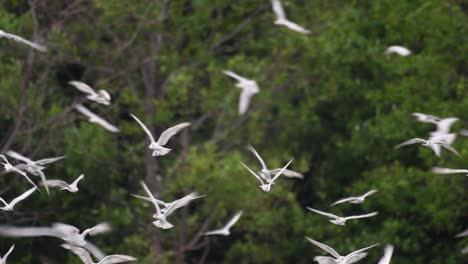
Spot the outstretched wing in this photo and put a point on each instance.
(410, 142)
(5, 257)
(151, 196)
(22, 196)
(235, 76)
(96, 119)
(463, 234)
(49, 160)
(145, 128)
(56, 184)
(278, 9)
(244, 101)
(371, 192)
(289, 173)
(82, 253)
(322, 213)
(117, 259)
(181, 202)
(440, 170)
(252, 172)
(361, 216)
(18, 156)
(388, 251)
(328, 249)
(258, 157)
(82, 87)
(100, 228)
(22, 40)
(343, 200)
(449, 148)
(357, 252)
(295, 27)
(170, 132)
(13, 231)
(233, 220)
(281, 171)
(214, 232)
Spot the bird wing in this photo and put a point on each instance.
(22, 196)
(96, 119)
(105, 94)
(3, 201)
(95, 251)
(5, 257)
(354, 253)
(252, 172)
(44, 180)
(251, 148)
(426, 118)
(463, 234)
(49, 160)
(236, 76)
(369, 193)
(344, 200)
(410, 142)
(150, 195)
(24, 175)
(18, 156)
(324, 260)
(244, 100)
(100, 228)
(443, 126)
(82, 87)
(75, 182)
(22, 40)
(295, 27)
(170, 132)
(356, 257)
(322, 213)
(328, 249)
(65, 229)
(289, 173)
(361, 216)
(82, 253)
(281, 171)
(56, 184)
(233, 220)
(440, 170)
(215, 232)
(449, 148)
(278, 9)
(145, 128)
(13, 231)
(388, 251)
(186, 200)
(116, 259)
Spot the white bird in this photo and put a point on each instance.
(462, 234)
(10, 206)
(402, 51)
(93, 118)
(281, 19)
(10, 168)
(425, 118)
(355, 199)
(249, 89)
(73, 187)
(84, 255)
(439, 170)
(3, 260)
(338, 220)
(16, 38)
(175, 204)
(444, 125)
(433, 144)
(157, 146)
(266, 185)
(267, 174)
(388, 251)
(225, 231)
(337, 258)
(100, 97)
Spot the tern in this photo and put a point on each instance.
(8, 168)
(439, 170)
(338, 220)
(85, 257)
(249, 89)
(266, 185)
(402, 51)
(266, 174)
(337, 258)
(100, 97)
(16, 38)
(356, 199)
(9, 206)
(157, 146)
(175, 204)
(431, 143)
(4, 258)
(225, 231)
(425, 118)
(388, 251)
(93, 118)
(281, 19)
(62, 185)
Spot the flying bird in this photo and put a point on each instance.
(281, 19)
(433, 144)
(3, 260)
(157, 146)
(225, 231)
(355, 199)
(266, 185)
(62, 185)
(402, 51)
(249, 89)
(338, 220)
(100, 97)
(267, 174)
(175, 204)
(10, 168)
(93, 118)
(85, 257)
(337, 258)
(388, 251)
(16, 38)
(10, 206)
(425, 118)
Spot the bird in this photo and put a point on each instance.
(10, 168)
(225, 231)
(266, 185)
(338, 220)
(3, 260)
(337, 258)
(281, 19)
(434, 144)
(266, 174)
(85, 257)
(93, 118)
(402, 51)
(425, 118)
(439, 170)
(73, 187)
(249, 89)
(356, 199)
(444, 125)
(175, 204)
(388, 251)
(157, 146)
(10, 206)
(100, 97)
(16, 38)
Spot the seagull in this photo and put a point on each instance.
(175, 204)
(433, 144)
(388, 251)
(157, 146)
(402, 51)
(4, 258)
(439, 170)
(73, 187)
(8, 167)
(337, 258)
(100, 97)
(93, 118)
(9, 206)
(462, 234)
(16, 38)
(357, 199)
(266, 174)
(266, 185)
(249, 89)
(225, 230)
(341, 220)
(84, 255)
(424, 118)
(281, 19)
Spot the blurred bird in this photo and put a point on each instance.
(338, 220)
(10, 206)
(10, 168)
(431, 143)
(424, 118)
(93, 118)
(249, 89)
(225, 231)
(100, 97)
(16, 38)
(439, 170)
(3, 260)
(281, 19)
(402, 51)
(175, 204)
(356, 199)
(444, 125)
(267, 174)
(84, 255)
(388, 251)
(73, 187)
(337, 258)
(266, 185)
(157, 146)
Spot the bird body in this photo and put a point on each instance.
(249, 89)
(62, 185)
(101, 96)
